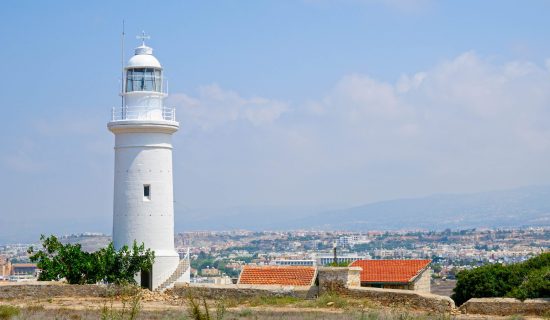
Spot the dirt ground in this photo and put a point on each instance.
(443, 288)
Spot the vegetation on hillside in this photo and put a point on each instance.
(529, 279)
(204, 261)
(338, 264)
(57, 261)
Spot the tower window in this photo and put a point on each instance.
(146, 192)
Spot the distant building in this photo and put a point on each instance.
(323, 260)
(293, 262)
(210, 272)
(5, 268)
(24, 269)
(318, 260)
(221, 280)
(395, 274)
(350, 241)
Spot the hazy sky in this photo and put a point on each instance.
(280, 102)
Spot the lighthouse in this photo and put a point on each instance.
(143, 205)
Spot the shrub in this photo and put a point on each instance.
(529, 279)
(338, 264)
(245, 313)
(69, 261)
(535, 285)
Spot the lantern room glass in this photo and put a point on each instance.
(143, 79)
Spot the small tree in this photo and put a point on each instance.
(121, 266)
(69, 261)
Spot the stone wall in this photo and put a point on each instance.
(506, 306)
(403, 298)
(336, 279)
(423, 282)
(45, 290)
(347, 282)
(243, 291)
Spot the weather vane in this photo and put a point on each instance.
(143, 37)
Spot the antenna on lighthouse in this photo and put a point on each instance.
(122, 66)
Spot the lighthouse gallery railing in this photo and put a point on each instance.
(143, 113)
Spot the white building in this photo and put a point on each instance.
(143, 209)
(324, 259)
(350, 241)
(294, 262)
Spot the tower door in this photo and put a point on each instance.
(147, 279)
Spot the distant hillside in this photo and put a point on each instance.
(528, 206)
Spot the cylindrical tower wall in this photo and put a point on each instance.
(144, 160)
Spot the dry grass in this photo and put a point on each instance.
(130, 297)
(129, 305)
(270, 312)
(8, 312)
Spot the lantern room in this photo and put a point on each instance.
(143, 71)
(143, 89)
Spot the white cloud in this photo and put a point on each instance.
(466, 124)
(214, 106)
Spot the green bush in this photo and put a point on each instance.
(529, 279)
(57, 261)
(535, 285)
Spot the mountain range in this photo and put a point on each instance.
(527, 206)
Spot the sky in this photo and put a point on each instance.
(317, 103)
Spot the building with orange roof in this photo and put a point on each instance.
(395, 274)
(278, 275)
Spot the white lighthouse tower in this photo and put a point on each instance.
(143, 208)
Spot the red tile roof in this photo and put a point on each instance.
(277, 275)
(394, 271)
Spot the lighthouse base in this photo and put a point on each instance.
(165, 265)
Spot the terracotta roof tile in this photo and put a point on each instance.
(277, 275)
(395, 271)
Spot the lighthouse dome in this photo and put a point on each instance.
(143, 58)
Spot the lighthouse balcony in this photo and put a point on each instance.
(143, 113)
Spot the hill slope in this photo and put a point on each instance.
(510, 208)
